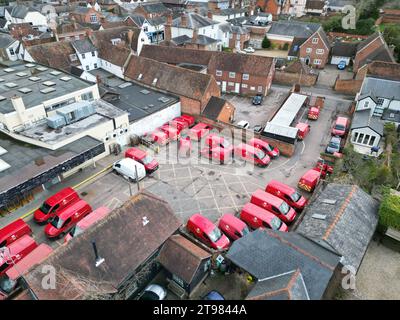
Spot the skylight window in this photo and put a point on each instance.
(144, 91)
(34, 79)
(41, 68)
(2, 80)
(29, 65)
(140, 76)
(25, 90)
(21, 74)
(49, 83)
(8, 70)
(11, 84)
(66, 79)
(55, 73)
(47, 90)
(4, 165)
(2, 98)
(124, 85)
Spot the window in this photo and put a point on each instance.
(355, 137)
(380, 101)
(315, 40)
(93, 18)
(219, 83)
(366, 138)
(252, 88)
(83, 56)
(87, 96)
(115, 41)
(231, 84)
(93, 54)
(218, 73)
(77, 37)
(317, 61)
(230, 36)
(360, 137)
(73, 57)
(87, 68)
(244, 85)
(308, 50)
(238, 36)
(11, 50)
(95, 65)
(320, 51)
(146, 28)
(245, 76)
(366, 104)
(372, 140)
(260, 88)
(232, 74)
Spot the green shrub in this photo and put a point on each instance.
(285, 46)
(389, 211)
(266, 43)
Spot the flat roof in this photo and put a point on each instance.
(27, 161)
(139, 101)
(31, 78)
(284, 131)
(288, 111)
(42, 132)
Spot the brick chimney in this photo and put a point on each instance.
(209, 14)
(129, 35)
(184, 22)
(167, 28)
(195, 35)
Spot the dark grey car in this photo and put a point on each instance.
(334, 145)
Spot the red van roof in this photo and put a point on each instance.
(258, 141)
(56, 198)
(247, 147)
(36, 256)
(135, 153)
(93, 217)
(267, 197)
(341, 120)
(258, 212)
(231, 220)
(11, 228)
(17, 246)
(202, 222)
(67, 212)
(281, 186)
(311, 175)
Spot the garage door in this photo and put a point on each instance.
(336, 60)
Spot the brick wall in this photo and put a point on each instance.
(361, 55)
(349, 86)
(313, 54)
(282, 77)
(190, 106)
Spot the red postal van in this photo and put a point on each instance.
(264, 146)
(66, 219)
(252, 154)
(287, 193)
(16, 251)
(10, 282)
(160, 137)
(309, 180)
(304, 129)
(14, 231)
(257, 217)
(204, 230)
(55, 204)
(171, 131)
(150, 164)
(233, 227)
(213, 140)
(199, 131)
(86, 222)
(273, 204)
(217, 154)
(313, 113)
(188, 119)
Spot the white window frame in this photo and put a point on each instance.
(317, 62)
(232, 75)
(314, 40)
(218, 73)
(308, 50)
(246, 76)
(320, 51)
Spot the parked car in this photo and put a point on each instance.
(341, 65)
(171, 131)
(141, 156)
(159, 137)
(185, 146)
(217, 154)
(243, 124)
(251, 154)
(340, 127)
(304, 129)
(199, 131)
(204, 230)
(188, 119)
(86, 222)
(13, 231)
(264, 146)
(287, 193)
(233, 227)
(309, 180)
(65, 220)
(153, 292)
(126, 168)
(214, 140)
(213, 295)
(257, 100)
(249, 50)
(334, 145)
(55, 204)
(257, 217)
(328, 168)
(15, 252)
(258, 128)
(313, 113)
(273, 204)
(10, 282)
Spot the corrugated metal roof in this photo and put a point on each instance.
(289, 110)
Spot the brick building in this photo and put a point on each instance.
(218, 109)
(193, 88)
(86, 15)
(270, 6)
(151, 10)
(239, 37)
(374, 48)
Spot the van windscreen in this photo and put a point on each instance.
(284, 208)
(215, 235)
(147, 159)
(295, 196)
(7, 285)
(45, 208)
(260, 154)
(276, 223)
(339, 127)
(57, 222)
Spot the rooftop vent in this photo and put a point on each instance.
(124, 85)
(99, 260)
(55, 73)
(144, 91)
(47, 90)
(21, 74)
(3, 165)
(163, 99)
(34, 79)
(11, 84)
(42, 68)
(39, 161)
(25, 90)
(8, 70)
(2, 98)
(151, 105)
(30, 65)
(49, 83)
(66, 79)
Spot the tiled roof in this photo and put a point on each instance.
(214, 108)
(194, 21)
(344, 49)
(385, 70)
(103, 37)
(117, 55)
(315, 4)
(363, 119)
(154, 7)
(293, 28)
(83, 46)
(350, 219)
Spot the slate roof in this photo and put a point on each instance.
(194, 21)
(383, 88)
(122, 239)
(182, 257)
(391, 115)
(344, 49)
(201, 40)
(240, 30)
(214, 108)
(363, 119)
(154, 7)
(180, 40)
(81, 10)
(295, 47)
(137, 19)
(295, 29)
(6, 40)
(286, 286)
(179, 81)
(20, 11)
(265, 253)
(3, 22)
(83, 46)
(349, 224)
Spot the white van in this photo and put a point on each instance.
(126, 168)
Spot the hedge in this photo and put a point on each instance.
(389, 211)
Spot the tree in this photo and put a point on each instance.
(365, 26)
(266, 43)
(333, 24)
(285, 46)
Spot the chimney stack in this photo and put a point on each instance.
(209, 14)
(195, 35)
(184, 20)
(167, 28)
(19, 106)
(99, 260)
(130, 37)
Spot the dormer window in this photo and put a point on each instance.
(115, 41)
